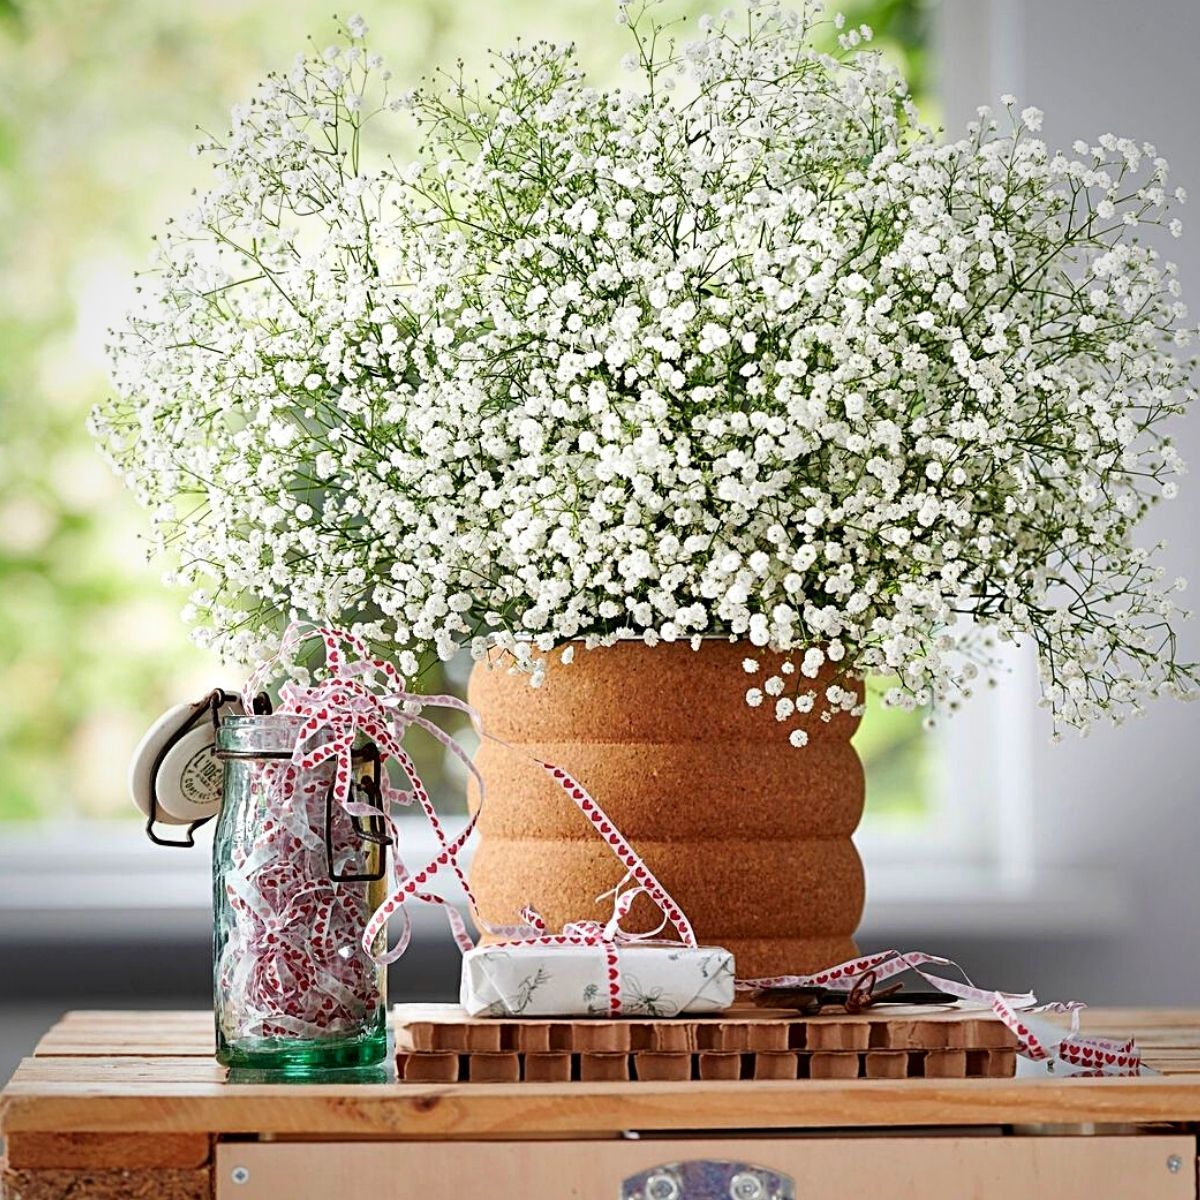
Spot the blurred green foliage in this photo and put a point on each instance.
(99, 100)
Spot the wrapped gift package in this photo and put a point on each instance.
(661, 980)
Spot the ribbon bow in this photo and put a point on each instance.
(611, 935)
(369, 697)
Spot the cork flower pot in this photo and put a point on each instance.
(749, 834)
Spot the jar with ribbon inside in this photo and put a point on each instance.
(297, 873)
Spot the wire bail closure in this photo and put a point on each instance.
(372, 829)
(212, 705)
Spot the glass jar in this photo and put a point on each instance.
(295, 879)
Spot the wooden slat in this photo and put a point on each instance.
(121, 1018)
(1145, 1023)
(131, 1151)
(68, 1045)
(190, 1095)
(112, 1033)
(91, 1183)
(1118, 1020)
(895, 1168)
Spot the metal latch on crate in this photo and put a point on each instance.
(702, 1179)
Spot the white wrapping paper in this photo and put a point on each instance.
(571, 981)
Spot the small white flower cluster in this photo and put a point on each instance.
(742, 350)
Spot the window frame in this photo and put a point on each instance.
(980, 813)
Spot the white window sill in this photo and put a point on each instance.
(107, 882)
(927, 902)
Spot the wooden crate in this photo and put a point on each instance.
(441, 1044)
(121, 1106)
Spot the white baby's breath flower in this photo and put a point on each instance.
(769, 363)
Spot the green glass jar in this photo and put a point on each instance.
(295, 880)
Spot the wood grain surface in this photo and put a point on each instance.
(87, 1183)
(892, 1168)
(114, 1084)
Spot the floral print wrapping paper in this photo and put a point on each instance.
(662, 980)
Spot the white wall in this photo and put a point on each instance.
(1124, 798)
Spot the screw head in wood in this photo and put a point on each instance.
(745, 1185)
(1174, 1164)
(240, 1175)
(661, 1187)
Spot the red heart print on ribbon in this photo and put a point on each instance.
(365, 696)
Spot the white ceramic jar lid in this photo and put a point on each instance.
(187, 787)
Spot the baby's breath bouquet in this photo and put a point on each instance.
(741, 349)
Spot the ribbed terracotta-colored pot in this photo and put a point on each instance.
(749, 834)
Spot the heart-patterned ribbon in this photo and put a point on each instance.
(367, 696)
(361, 696)
(1036, 1040)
